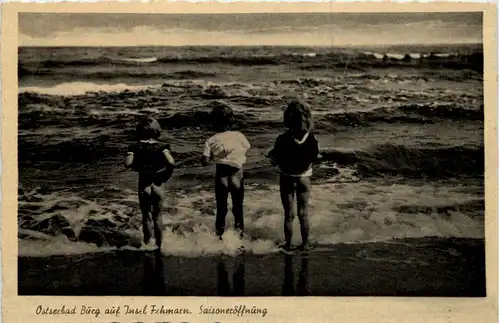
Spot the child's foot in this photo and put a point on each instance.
(306, 247)
(286, 246)
(150, 246)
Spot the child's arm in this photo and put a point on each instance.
(315, 153)
(244, 142)
(129, 159)
(168, 157)
(272, 154)
(205, 159)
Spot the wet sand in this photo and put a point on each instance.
(411, 267)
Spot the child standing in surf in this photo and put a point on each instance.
(152, 160)
(294, 153)
(228, 150)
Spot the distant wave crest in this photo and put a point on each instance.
(302, 60)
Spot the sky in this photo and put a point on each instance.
(276, 29)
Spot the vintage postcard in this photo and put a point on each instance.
(265, 162)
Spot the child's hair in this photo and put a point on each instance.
(222, 117)
(298, 117)
(148, 128)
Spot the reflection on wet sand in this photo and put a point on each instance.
(153, 283)
(230, 276)
(289, 280)
(223, 285)
(290, 287)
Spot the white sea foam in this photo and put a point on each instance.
(309, 54)
(58, 245)
(395, 55)
(400, 56)
(140, 60)
(79, 88)
(341, 212)
(443, 54)
(376, 55)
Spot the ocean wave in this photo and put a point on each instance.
(140, 60)
(101, 60)
(427, 162)
(408, 56)
(364, 62)
(37, 110)
(105, 60)
(202, 119)
(388, 159)
(233, 60)
(383, 160)
(342, 60)
(81, 88)
(413, 113)
(130, 75)
(189, 74)
(364, 118)
(448, 111)
(188, 119)
(356, 212)
(124, 99)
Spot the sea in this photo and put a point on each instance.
(403, 124)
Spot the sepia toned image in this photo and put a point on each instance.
(251, 154)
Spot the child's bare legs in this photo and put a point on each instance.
(228, 180)
(288, 187)
(237, 189)
(287, 193)
(151, 201)
(303, 195)
(157, 202)
(221, 195)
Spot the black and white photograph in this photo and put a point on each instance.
(251, 154)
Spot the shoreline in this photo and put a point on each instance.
(438, 267)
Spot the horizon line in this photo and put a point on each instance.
(300, 46)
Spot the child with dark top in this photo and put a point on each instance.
(294, 153)
(152, 160)
(228, 150)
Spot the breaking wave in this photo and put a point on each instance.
(305, 61)
(63, 222)
(436, 162)
(81, 88)
(50, 101)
